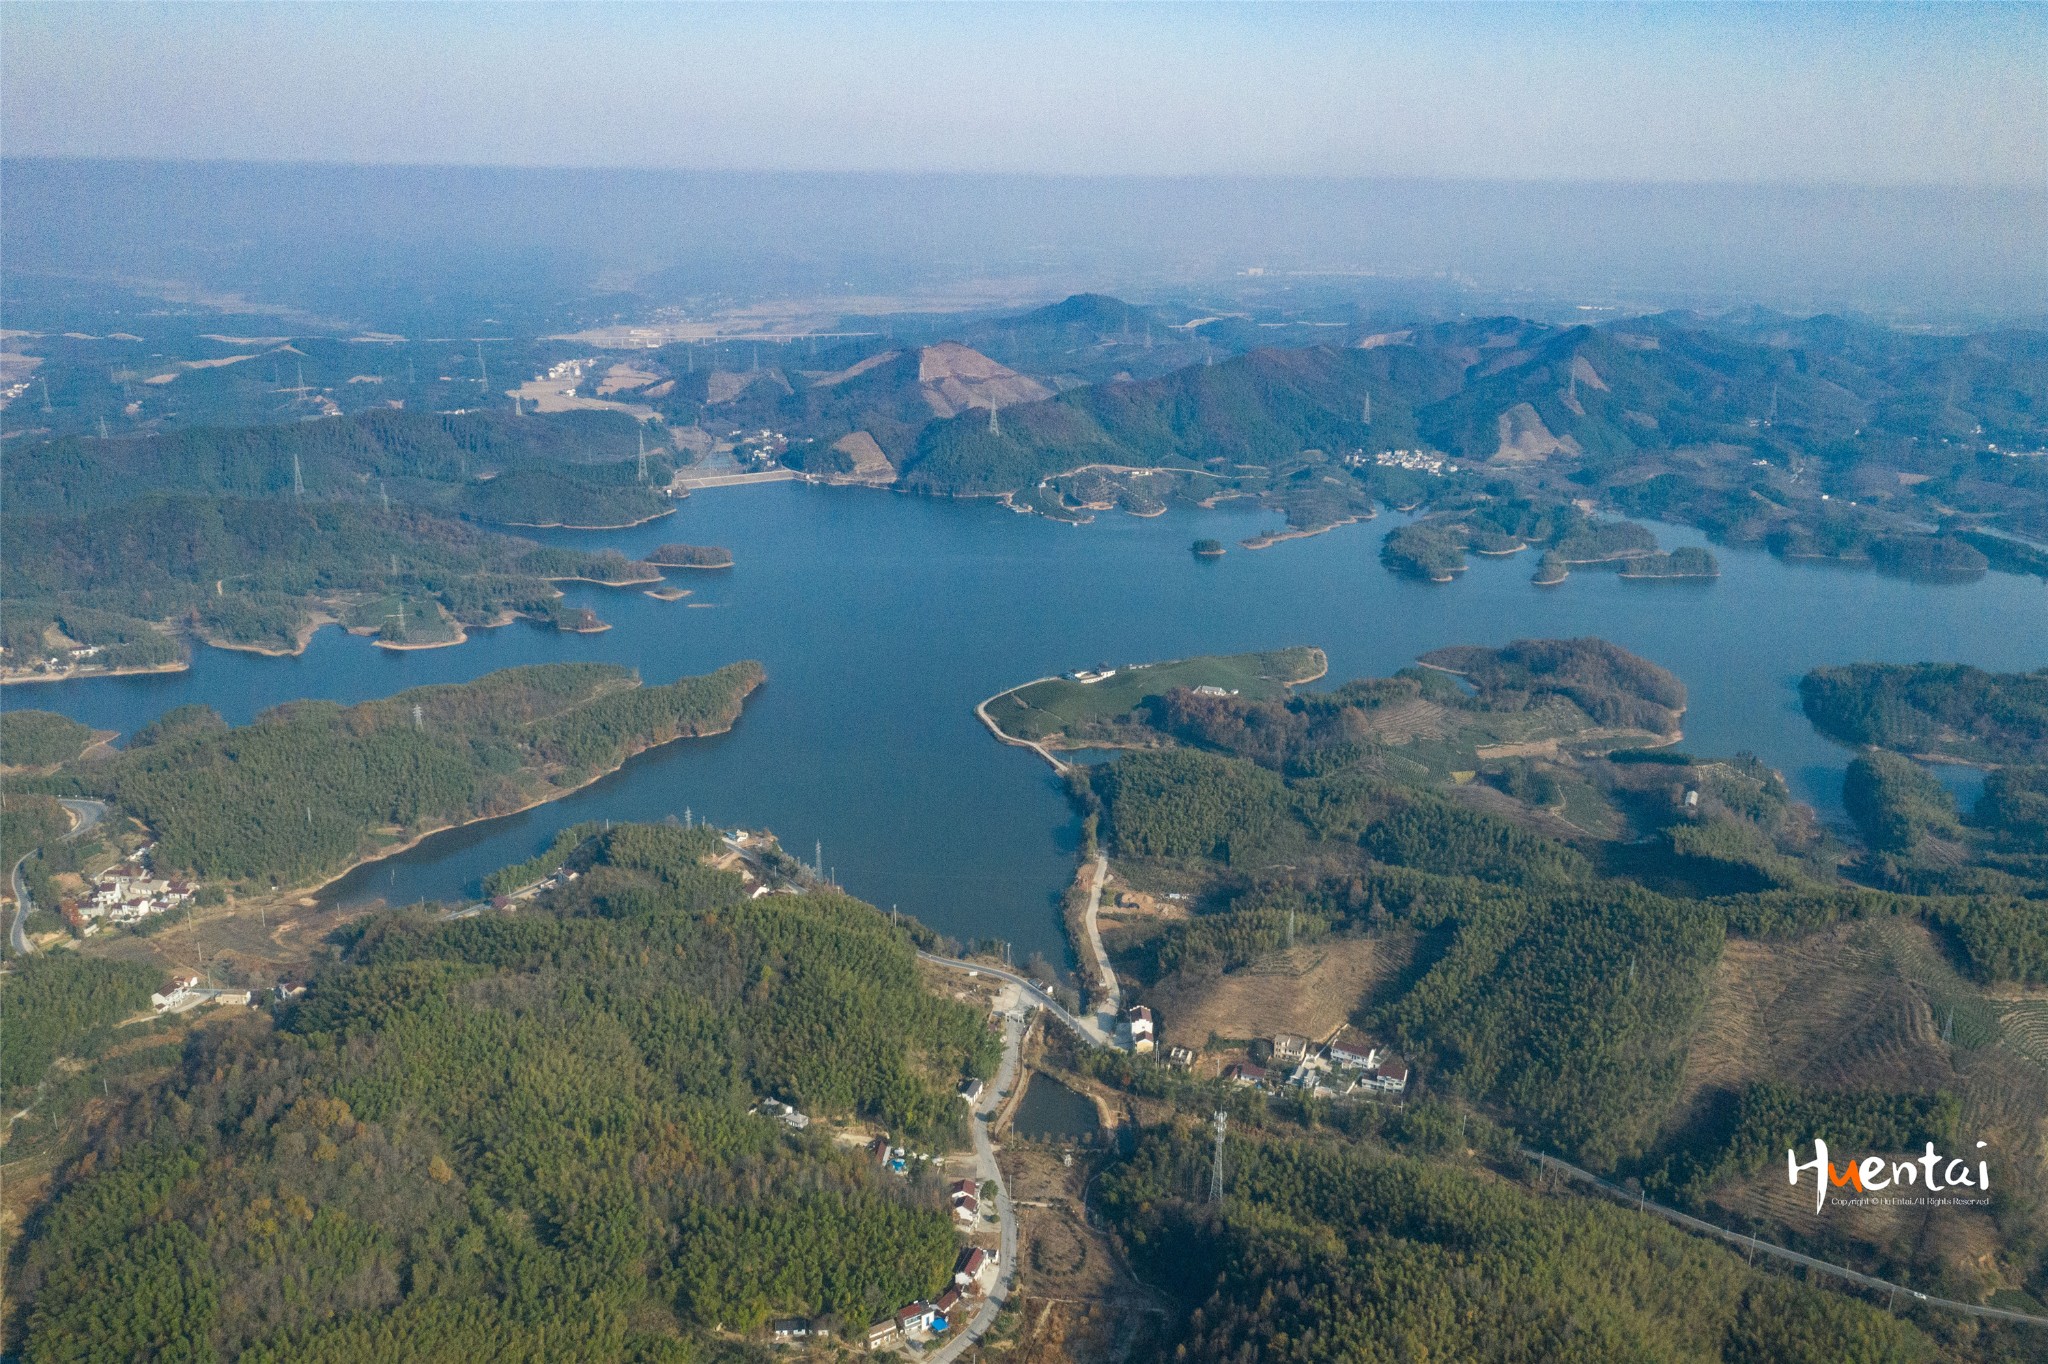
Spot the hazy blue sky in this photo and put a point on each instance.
(1886, 95)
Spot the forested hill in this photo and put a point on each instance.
(1612, 685)
(310, 787)
(573, 468)
(525, 1137)
(1342, 1250)
(1574, 889)
(253, 571)
(1597, 398)
(1253, 409)
(1817, 438)
(1944, 709)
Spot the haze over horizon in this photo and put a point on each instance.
(1814, 157)
(1863, 95)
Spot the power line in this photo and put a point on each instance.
(1216, 1169)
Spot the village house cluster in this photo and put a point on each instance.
(1348, 1065)
(569, 374)
(57, 662)
(758, 449)
(1417, 461)
(124, 894)
(917, 1322)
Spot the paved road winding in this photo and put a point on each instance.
(1041, 750)
(1090, 1031)
(88, 813)
(1107, 997)
(15, 935)
(987, 1171)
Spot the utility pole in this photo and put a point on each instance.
(1216, 1169)
(818, 859)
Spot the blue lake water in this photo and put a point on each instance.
(882, 619)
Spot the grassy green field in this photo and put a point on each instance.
(1047, 709)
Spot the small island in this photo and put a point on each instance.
(666, 593)
(1551, 570)
(1208, 549)
(690, 556)
(1687, 561)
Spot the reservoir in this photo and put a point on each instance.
(882, 619)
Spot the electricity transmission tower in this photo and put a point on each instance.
(418, 712)
(298, 481)
(1216, 1168)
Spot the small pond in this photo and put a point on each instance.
(1050, 1111)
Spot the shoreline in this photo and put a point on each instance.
(303, 637)
(981, 712)
(554, 795)
(461, 637)
(603, 582)
(1268, 541)
(564, 525)
(75, 674)
(736, 479)
(1046, 750)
